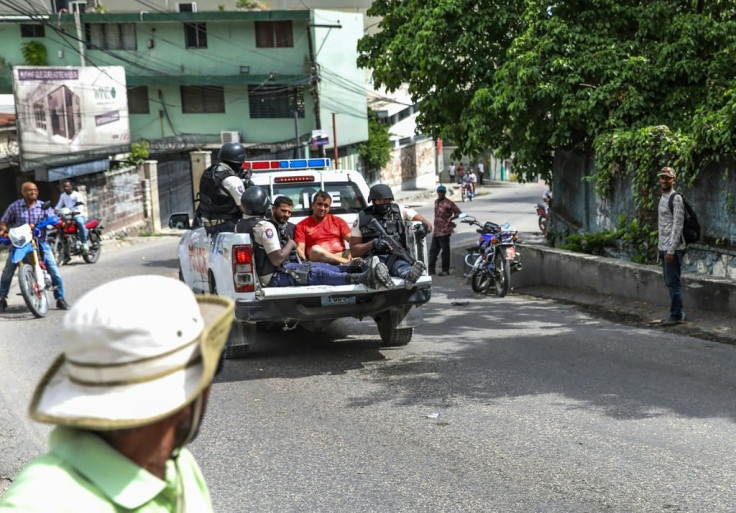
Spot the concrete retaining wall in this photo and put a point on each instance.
(592, 274)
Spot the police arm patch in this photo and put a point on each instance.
(269, 233)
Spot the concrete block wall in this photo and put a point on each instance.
(412, 166)
(116, 197)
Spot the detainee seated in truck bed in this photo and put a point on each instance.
(271, 258)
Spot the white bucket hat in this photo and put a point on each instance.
(136, 350)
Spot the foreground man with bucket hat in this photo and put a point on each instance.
(127, 394)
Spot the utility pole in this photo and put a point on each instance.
(296, 134)
(314, 77)
(334, 136)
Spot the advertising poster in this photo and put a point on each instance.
(67, 115)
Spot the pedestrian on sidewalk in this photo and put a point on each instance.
(452, 172)
(445, 211)
(460, 172)
(127, 394)
(481, 172)
(671, 243)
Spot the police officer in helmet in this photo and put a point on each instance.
(221, 188)
(271, 257)
(367, 240)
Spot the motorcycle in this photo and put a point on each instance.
(467, 191)
(65, 242)
(33, 279)
(494, 258)
(542, 213)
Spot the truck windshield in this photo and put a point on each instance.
(346, 196)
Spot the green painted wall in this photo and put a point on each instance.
(162, 62)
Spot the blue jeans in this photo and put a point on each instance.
(671, 273)
(400, 268)
(320, 273)
(51, 267)
(83, 232)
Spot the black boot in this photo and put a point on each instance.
(364, 278)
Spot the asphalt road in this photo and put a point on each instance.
(512, 404)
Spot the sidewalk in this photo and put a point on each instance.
(625, 292)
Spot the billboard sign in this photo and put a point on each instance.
(70, 114)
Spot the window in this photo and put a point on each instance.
(110, 36)
(346, 196)
(275, 101)
(200, 99)
(39, 113)
(274, 34)
(138, 100)
(195, 35)
(32, 31)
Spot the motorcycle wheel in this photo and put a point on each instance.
(543, 225)
(34, 293)
(480, 280)
(502, 280)
(95, 248)
(57, 248)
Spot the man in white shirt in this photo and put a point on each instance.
(74, 201)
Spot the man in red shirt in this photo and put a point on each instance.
(323, 237)
(445, 211)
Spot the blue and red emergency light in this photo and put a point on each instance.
(286, 165)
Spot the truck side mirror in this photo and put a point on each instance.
(179, 221)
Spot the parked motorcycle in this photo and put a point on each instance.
(542, 213)
(494, 258)
(65, 242)
(33, 279)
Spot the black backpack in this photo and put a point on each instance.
(691, 227)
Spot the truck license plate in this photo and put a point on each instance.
(337, 300)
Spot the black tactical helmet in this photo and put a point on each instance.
(255, 201)
(233, 153)
(380, 191)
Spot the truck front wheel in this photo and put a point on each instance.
(390, 335)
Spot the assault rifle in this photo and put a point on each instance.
(396, 248)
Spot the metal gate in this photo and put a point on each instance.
(174, 188)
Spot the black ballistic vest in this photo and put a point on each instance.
(214, 200)
(391, 222)
(263, 264)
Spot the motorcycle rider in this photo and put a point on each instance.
(74, 201)
(366, 240)
(271, 257)
(30, 211)
(220, 189)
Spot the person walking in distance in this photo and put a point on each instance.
(452, 172)
(127, 394)
(671, 243)
(445, 211)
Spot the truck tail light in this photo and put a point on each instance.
(243, 277)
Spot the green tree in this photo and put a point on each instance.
(526, 78)
(34, 53)
(376, 151)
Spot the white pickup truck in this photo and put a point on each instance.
(223, 264)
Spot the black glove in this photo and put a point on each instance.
(421, 231)
(381, 246)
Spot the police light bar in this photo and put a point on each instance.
(286, 165)
(293, 179)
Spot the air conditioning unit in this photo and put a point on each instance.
(190, 7)
(80, 7)
(229, 136)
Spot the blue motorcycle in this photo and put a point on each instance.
(33, 279)
(493, 259)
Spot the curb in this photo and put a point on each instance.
(632, 293)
